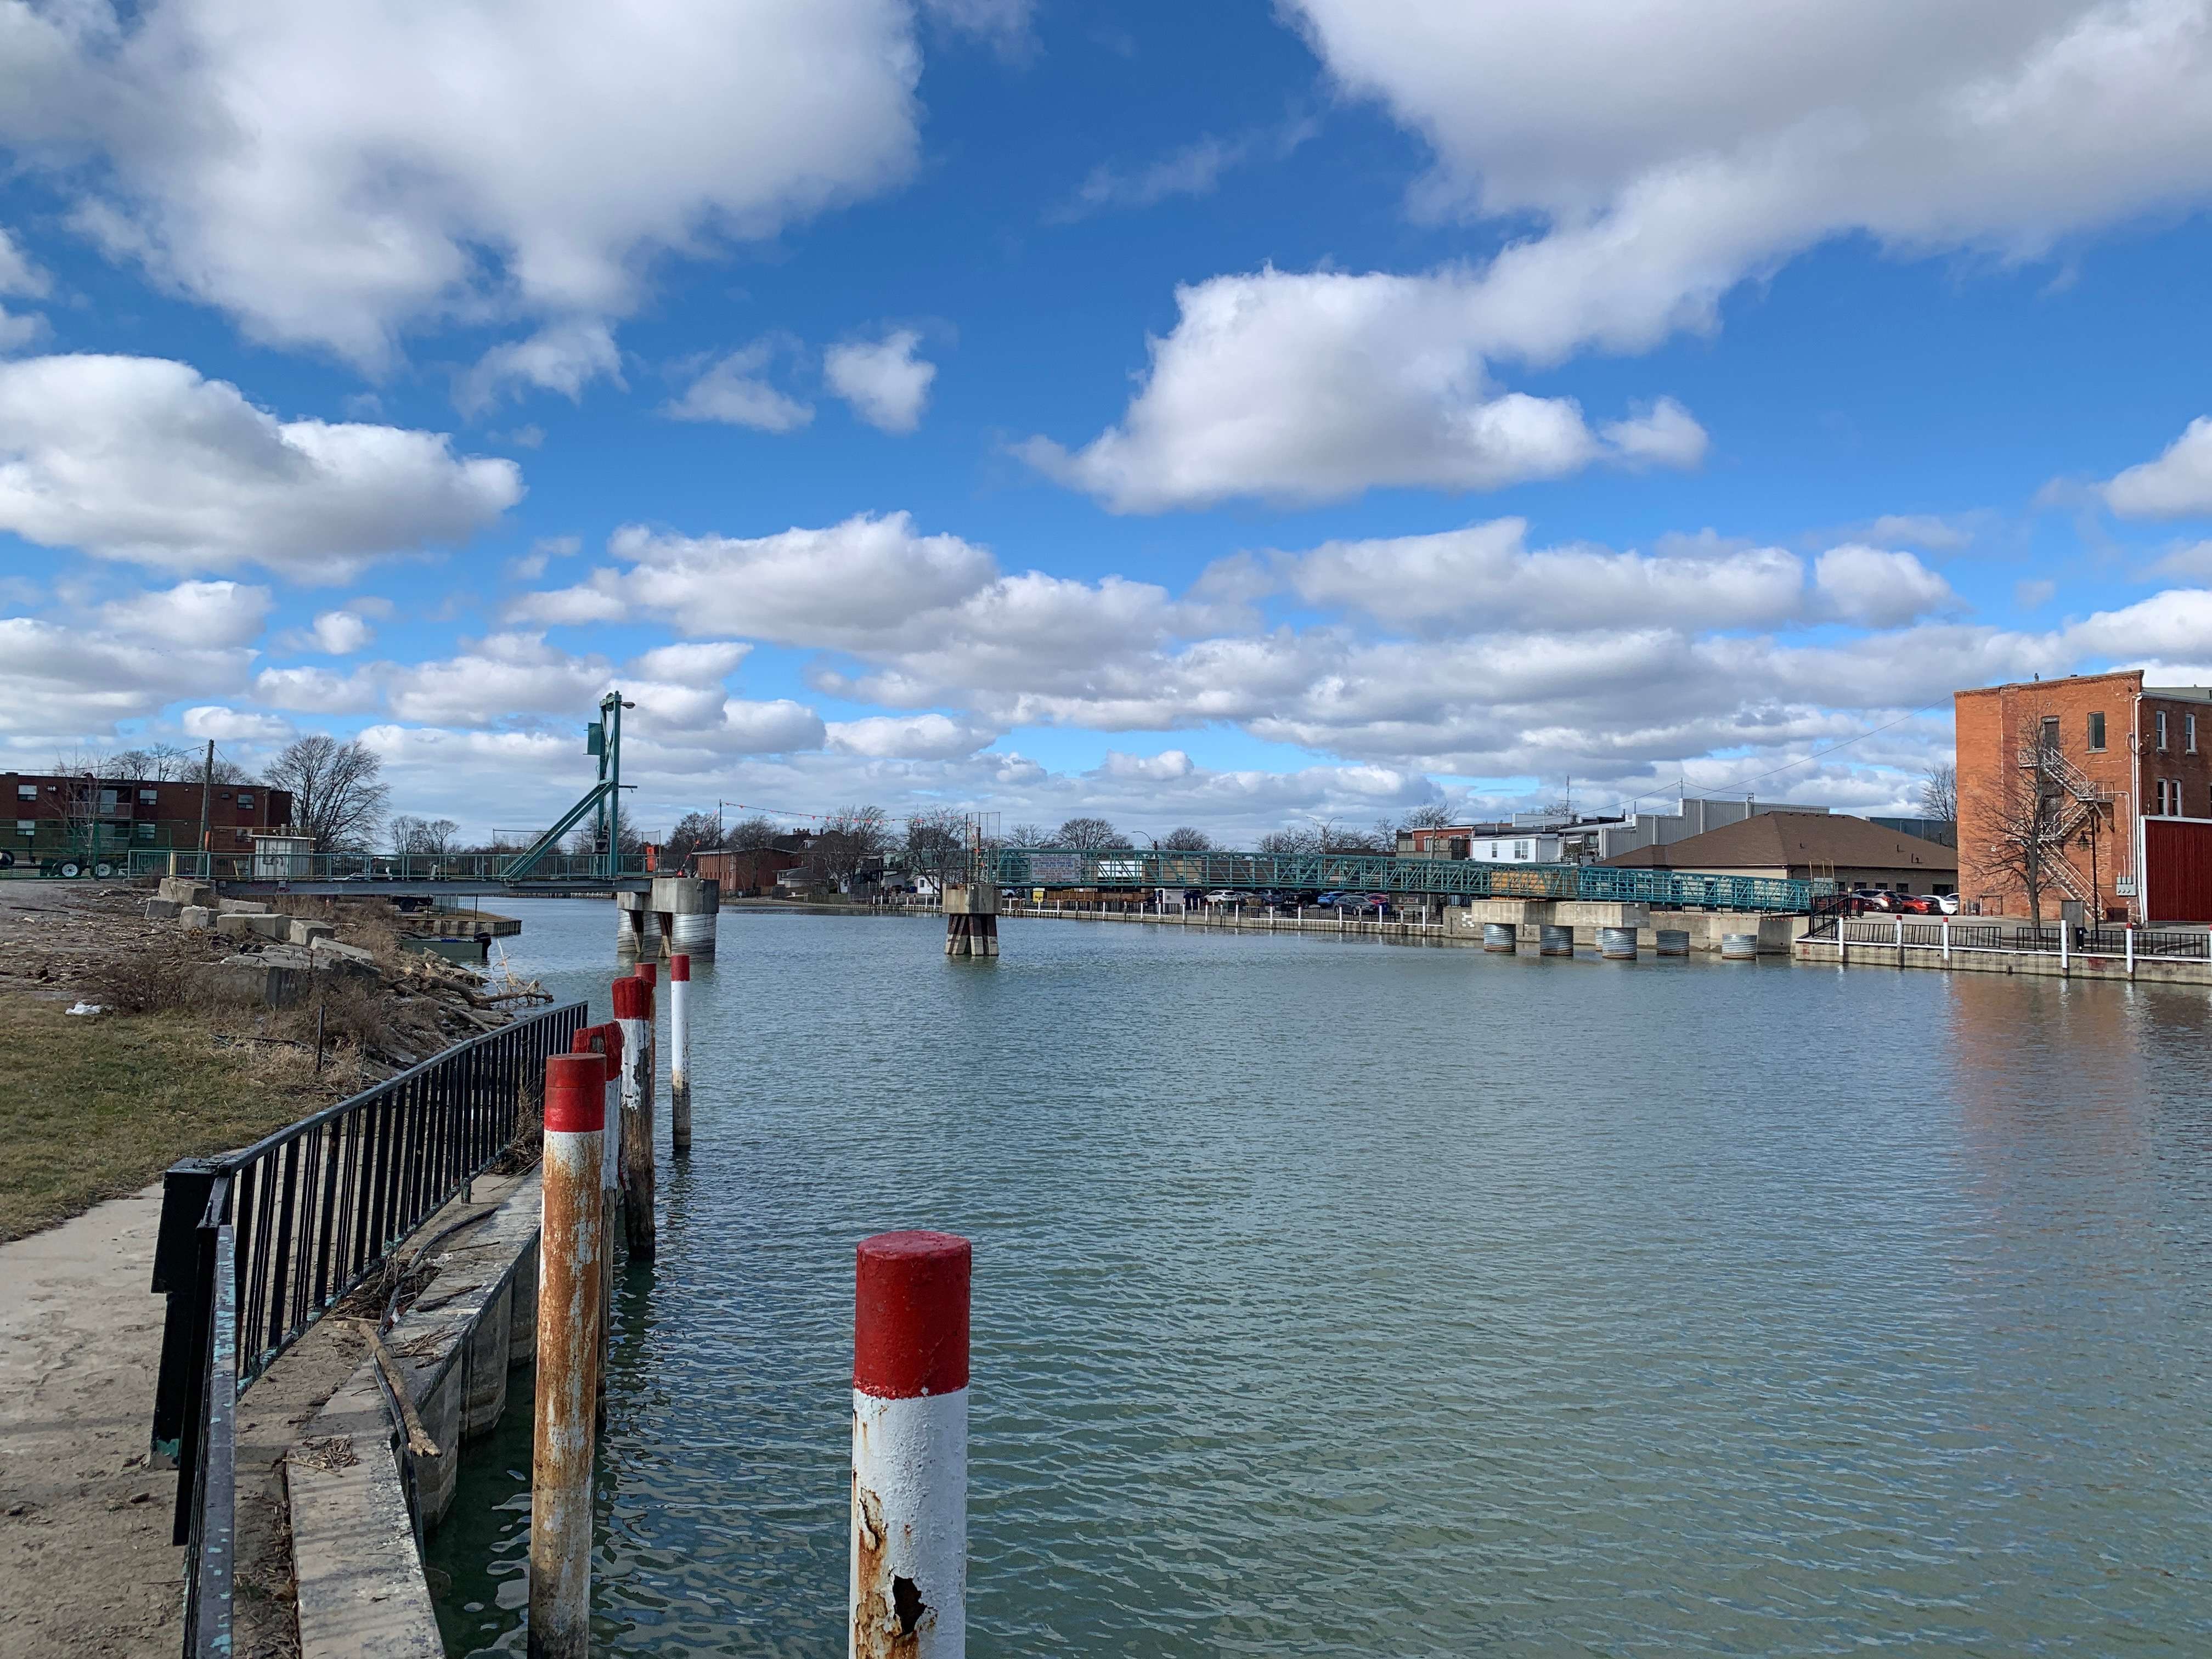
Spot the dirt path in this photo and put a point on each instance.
(84, 1524)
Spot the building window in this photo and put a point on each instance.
(2189, 734)
(27, 827)
(1940, 889)
(2050, 732)
(1521, 851)
(2097, 730)
(148, 797)
(2160, 718)
(143, 831)
(246, 803)
(26, 792)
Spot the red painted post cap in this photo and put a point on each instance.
(589, 1042)
(575, 1094)
(650, 973)
(679, 970)
(910, 1315)
(632, 997)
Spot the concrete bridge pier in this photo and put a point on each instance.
(683, 909)
(637, 927)
(972, 920)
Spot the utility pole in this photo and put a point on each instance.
(207, 791)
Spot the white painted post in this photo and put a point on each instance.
(1947, 941)
(1900, 941)
(909, 1578)
(679, 1053)
(633, 1000)
(2064, 945)
(2130, 930)
(1842, 946)
(570, 1243)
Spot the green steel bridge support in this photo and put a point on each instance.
(1133, 871)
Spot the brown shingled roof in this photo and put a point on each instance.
(1779, 838)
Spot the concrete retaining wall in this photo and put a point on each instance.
(2151, 970)
(361, 1585)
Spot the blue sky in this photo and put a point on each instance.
(1189, 414)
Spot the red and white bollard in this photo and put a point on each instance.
(605, 1044)
(909, 1579)
(571, 1244)
(679, 1054)
(633, 1000)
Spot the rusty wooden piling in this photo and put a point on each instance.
(571, 1243)
(908, 1594)
(633, 1000)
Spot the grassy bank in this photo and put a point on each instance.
(93, 1107)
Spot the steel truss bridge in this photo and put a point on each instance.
(1131, 871)
(398, 875)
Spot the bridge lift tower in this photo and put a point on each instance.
(602, 738)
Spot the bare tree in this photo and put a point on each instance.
(1026, 835)
(1432, 817)
(753, 835)
(1088, 835)
(937, 847)
(590, 839)
(2027, 819)
(1939, 792)
(695, 832)
(1297, 841)
(335, 796)
(433, 836)
(159, 763)
(849, 838)
(1184, 839)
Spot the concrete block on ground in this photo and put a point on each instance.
(231, 925)
(162, 910)
(231, 907)
(269, 927)
(188, 889)
(307, 932)
(329, 957)
(196, 919)
(256, 979)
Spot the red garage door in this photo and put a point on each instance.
(2178, 861)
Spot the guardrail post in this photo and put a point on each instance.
(910, 1561)
(632, 999)
(679, 1053)
(571, 1243)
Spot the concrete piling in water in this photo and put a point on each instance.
(679, 1053)
(571, 1242)
(971, 919)
(909, 1573)
(632, 999)
(1501, 936)
(1672, 941)
(1739, 947)
(1554, 940)
(684, 910)
(1617, 943)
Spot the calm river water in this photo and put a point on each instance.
(1345, 1297)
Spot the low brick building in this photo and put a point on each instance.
(61, 818)
(1807, 847)
(2124, 774)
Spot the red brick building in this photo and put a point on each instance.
(2125, 772)
(85, 818)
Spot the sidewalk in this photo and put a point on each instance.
(84, 1525)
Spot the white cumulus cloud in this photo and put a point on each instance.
(734, 389)
(2177, 484)
(885, 383)
(1315, 387)
(1878, 588)
(140, 459)
(334, 174)
(563, 357)
(200, 614)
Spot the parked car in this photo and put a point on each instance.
(1226, 895)
(1326, 900)
(1912, 905)
(1946, 904)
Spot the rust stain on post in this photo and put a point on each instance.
(571, 1247)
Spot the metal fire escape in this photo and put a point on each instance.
(2084, 799)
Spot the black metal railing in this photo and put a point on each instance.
(2166, 944)
(257, 1245)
